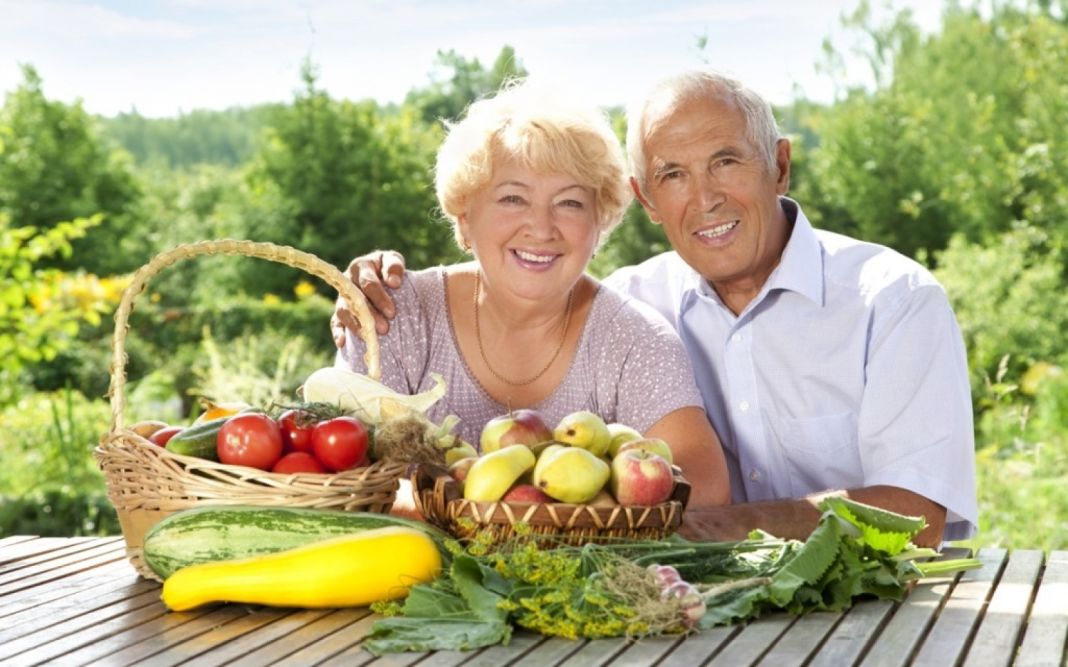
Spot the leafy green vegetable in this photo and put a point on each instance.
(608, 590)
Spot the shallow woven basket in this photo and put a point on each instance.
(438, 497)
(146, 482)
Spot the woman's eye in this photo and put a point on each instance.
(572, 203)
(511, 199)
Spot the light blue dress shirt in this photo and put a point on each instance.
(847, 370)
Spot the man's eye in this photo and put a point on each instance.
(670, 175)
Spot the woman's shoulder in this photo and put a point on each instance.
(613, 310)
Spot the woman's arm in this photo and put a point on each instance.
(697, 451)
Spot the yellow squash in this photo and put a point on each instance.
(348, 571)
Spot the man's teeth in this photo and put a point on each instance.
(718, 230)
(531, 257)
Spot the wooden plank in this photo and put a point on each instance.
(326, 636)
(218, 635)
(552, 651)
(947, 642)
(51, 643)
(1044, 638)
(753, 641)
(13, 539)
(247, 649)
(521, 643)
(59, 568)
(305, 630)
(45, 553)
(103, 576)
(648, 651)
(853, 634)
(21, 548)
(595, 652)
(909, 623)
(801, 640)
(70, 607)
(342, 642)
(158, 635)
(998, 636)
(695, 649)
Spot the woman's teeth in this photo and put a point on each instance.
(531, 257)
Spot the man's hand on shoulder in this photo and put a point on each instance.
(372, 274)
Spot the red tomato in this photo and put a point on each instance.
(297, 427)
(250, 439)
(297, 462)
(339, 443)
(164, 435)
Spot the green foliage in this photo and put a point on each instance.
(53, 167)
(967, 136)
(352, 179)
(30, 331)
(1009, 298)
(457, 81)
(227, 138)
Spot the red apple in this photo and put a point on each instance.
(164, 435)
(526, 493)
(640, 477)
(518, 427)
(654, 445)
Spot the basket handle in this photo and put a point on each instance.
(268, 251)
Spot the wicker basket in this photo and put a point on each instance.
(146, 482)
(438, 498)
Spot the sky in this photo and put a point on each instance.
(167, 57)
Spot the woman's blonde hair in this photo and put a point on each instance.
(545, 132)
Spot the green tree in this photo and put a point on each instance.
(351, 177)
(457, 81)
(32, 329)
(54, 167)
(964, 132)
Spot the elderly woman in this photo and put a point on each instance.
(532, 184)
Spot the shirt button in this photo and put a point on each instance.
(737, 338)
(754, 475)
(744, 406)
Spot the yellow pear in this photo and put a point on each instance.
(493, 474)
(584, 429)
(571, 474)
(621, 433)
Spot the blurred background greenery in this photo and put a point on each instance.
(958, 157)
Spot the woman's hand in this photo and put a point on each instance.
(371, 273)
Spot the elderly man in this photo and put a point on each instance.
(827, 365)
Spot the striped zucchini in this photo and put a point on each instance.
(211, 534)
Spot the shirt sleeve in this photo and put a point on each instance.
(652, 375)
(915, 421)
(403, 351)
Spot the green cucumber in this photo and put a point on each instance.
(199, 440)
(212, 534)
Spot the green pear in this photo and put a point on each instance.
(621, 433)
(490, 477)
(459, 451)
(571, 474)
(584, 429)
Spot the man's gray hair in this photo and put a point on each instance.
(761, 129)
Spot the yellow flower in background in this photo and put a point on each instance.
(304, 289)
(271, 299)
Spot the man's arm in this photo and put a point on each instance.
(796, 518)
(372, 273)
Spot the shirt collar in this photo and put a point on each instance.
(800, 269)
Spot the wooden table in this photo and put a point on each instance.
(77, 601)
